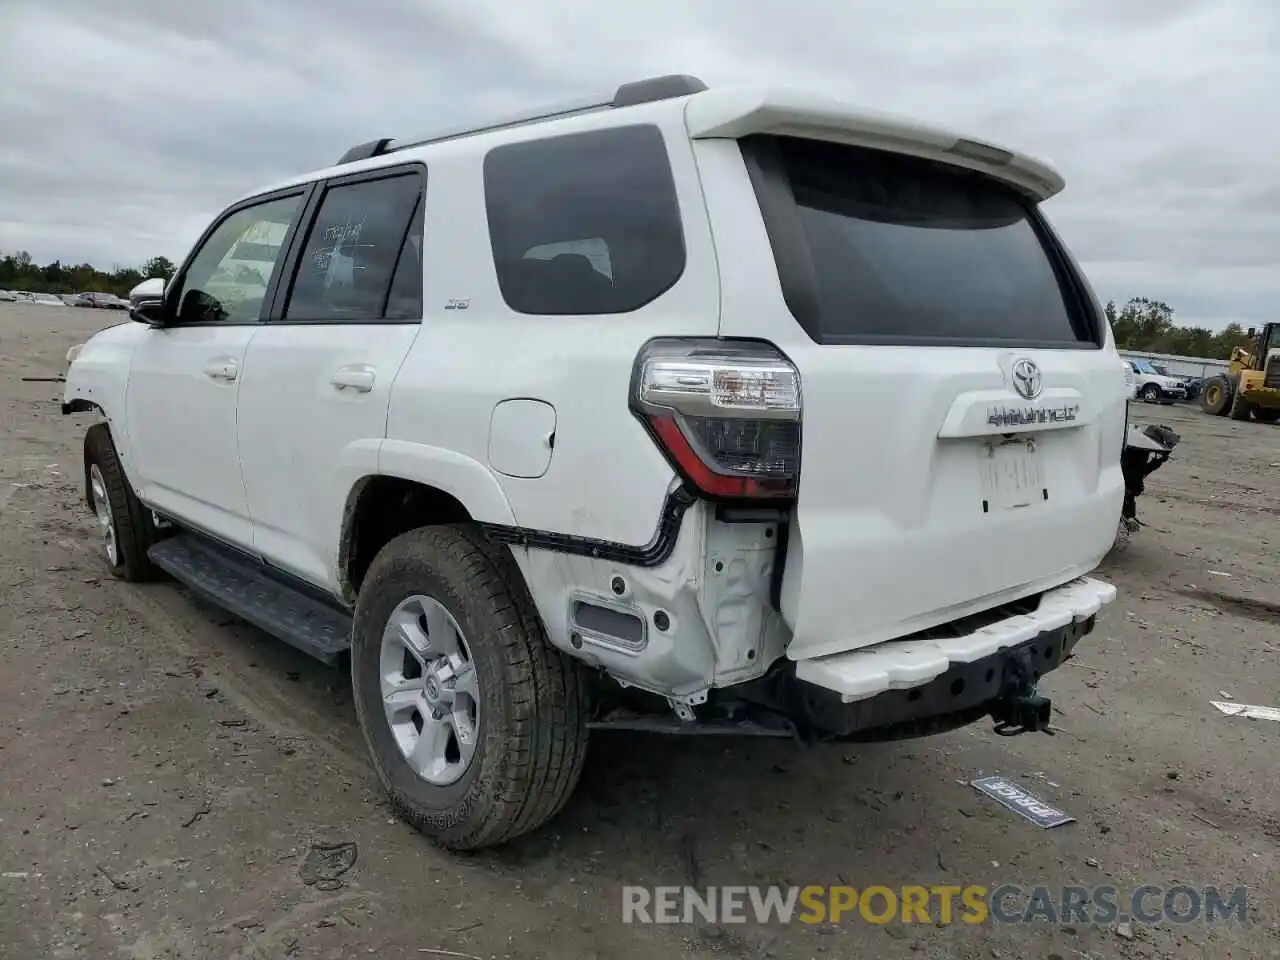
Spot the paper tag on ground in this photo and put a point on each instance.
(1019, 799)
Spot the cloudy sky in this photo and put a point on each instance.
(125, 126)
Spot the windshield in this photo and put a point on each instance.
(904, 249)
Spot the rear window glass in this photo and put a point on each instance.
(904, 249)
(586, 223)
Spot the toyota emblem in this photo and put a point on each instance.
(1026, 379)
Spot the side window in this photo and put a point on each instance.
(229, 275)
(405, 300)
(353, 248)
(586, 223)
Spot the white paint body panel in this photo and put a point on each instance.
(305, 441)
(885, 540)
(522, 435)
(607, 480)
(888, 536)
(182, 425)
(731, 114)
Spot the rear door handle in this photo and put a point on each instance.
(357, 376)
(224, 368)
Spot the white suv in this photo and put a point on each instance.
(1151, 385)
(687, 409)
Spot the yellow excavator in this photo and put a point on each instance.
(1251, 385)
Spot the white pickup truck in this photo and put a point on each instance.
(706, 410)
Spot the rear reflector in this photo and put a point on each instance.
(726, 413)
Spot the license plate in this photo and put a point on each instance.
(1010, 474)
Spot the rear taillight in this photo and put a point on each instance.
(725, 412)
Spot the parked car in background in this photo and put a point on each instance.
(1193, 385)
(68, 299)
(22, 296)
(7, 297)
(46, 300)
(1154, 386)
(101, 301)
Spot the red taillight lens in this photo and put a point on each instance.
(726, 413)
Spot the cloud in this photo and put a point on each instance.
(128, 126)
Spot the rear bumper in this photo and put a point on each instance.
(905, 682)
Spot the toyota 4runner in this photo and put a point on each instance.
(693, 410)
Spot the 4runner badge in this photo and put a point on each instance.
(1026, 379)
(1023, 416)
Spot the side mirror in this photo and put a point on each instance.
(151, 312)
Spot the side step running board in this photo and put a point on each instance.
(241, 588)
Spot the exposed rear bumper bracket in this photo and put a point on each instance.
(1024, 714)
(912, 662)
(915, 687)
(1019, 709)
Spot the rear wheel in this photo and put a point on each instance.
(476, 725)
(125, 525)
(1266, 414)
(1216, 398)
(1240, 407)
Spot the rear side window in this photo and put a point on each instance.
(877, 247)
(405, 300)
(352, 251)
(586, 223)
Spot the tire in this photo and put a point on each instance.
(128, 530)
(1266, 414)
(1240, 408)
(530, 732)
(1151, 393)
(1216, 398)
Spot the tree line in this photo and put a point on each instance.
(1144, 324)
(1141, 324)
(18, 272)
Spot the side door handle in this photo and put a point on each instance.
(357, 376)
(224, 368)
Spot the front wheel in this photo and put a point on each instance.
(1151, 393)
(476, 725)
(1216, 398)
(125, 525)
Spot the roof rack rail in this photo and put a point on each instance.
(363, 151)
(657, 88)
(634, 93)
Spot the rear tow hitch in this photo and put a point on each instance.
(1018, 708)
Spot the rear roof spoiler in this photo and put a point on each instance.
(736, 113)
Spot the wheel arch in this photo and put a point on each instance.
(414, 486)
(97, 380)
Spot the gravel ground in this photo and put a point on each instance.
(179, 785)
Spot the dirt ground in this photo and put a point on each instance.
(173, 782)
